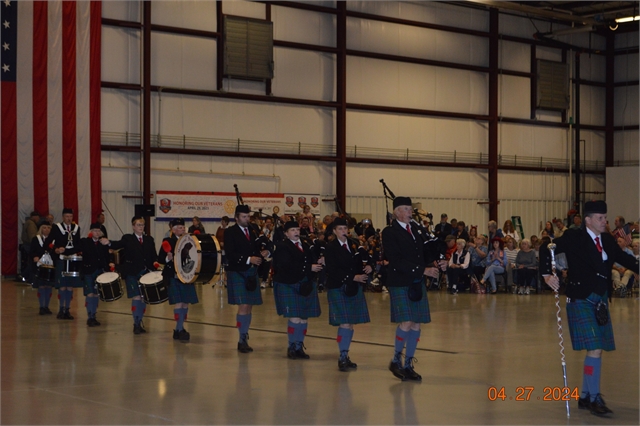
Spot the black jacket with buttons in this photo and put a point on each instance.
(290, 265)
(405, 254)
(342, 265)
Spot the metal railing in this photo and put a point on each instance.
(353, 151)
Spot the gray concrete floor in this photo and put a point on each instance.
(62, 372)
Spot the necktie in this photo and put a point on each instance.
(346, 247)
(299, 246)
(140, 239)
(409, 230)
(68, 228)
(598, 246)
(246, 234)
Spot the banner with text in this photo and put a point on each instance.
(293, 203)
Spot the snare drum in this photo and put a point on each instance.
(72, 265)
(46, 273)
(153, 288)
(197, 258)
(109, 286)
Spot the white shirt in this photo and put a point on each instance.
(593, 237)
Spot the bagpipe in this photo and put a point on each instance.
(262, 241)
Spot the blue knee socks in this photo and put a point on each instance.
(137, 309)
(412, 343)
(243, 322)
(92, 306)
(291, 330)
(344, 338)
(591, 377)
(401, 340)
(180, 314)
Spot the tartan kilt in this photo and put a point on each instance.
(75, 282)
(131, 283)
(237, 293)
(181, 293)
(583, 327)
(403, 309)
(290, 304)
(89, 283)
(37, 283)
(347, 310)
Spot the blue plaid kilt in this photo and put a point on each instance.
(403, 309)
(290, 304)
(237, 293)
(583, 327)
(89, 281)
(37, 282)
(347, 310)
(131, 283)
(181, 293)
(75, 282)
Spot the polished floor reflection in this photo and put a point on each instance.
(62, 372)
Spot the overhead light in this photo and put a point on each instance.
(628, 19)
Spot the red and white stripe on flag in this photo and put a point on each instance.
(50, 114)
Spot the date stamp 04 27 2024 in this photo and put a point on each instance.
(527, 393)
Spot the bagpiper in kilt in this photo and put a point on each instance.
(243, 256)
(36, 253)
(590, 253)
(347, 268)
(180, 294)
(405, 247)
(294, 288)
(65, 240)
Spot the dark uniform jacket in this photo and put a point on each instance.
(342, 266)
(290, 265)
(587, 273)
(61, 239)
(442, 230)
(94, 256)
(404, 253)
(136, 256)
(238, 249)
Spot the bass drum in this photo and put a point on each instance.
(197, 258)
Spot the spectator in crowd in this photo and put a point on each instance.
(494, 232)
(473, 233)
(535, 243)
(461, 231)
(509, 231)
(479, 250)
(458, 270)
(101, 219)
(454, 226)
(560, 228)
(496, 262)
(622, 230)
(224, 224)
(305, 228)
(635, 231)
(511, 250)
(619, 274)
(306, 212)
(450, 241)
(527, 267)
(577, 221)
(443, 228)
(47, 218)
(169, 232)
(197, 226)
(548, 227)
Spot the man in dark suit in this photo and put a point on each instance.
(95, 261)
(139, 257)
(294, 287)
(64, 239)
(243, 257)
(347, 271)
(443, 228)
(180, 294)
(404, 245)
(590, 253)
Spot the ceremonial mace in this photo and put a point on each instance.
(552, 248)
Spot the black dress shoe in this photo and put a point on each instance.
(351, 365)
(90, 322)
(244, 348)
(60, 315)
(42, 311)
(176, 334)
(397, 370)
(138, 329)
(300, 352)
(47, 311)
(184, 335)
(584, 403)
(96, 322)
(67, 315)
(291, 352)
(342, 365)
(599, 408)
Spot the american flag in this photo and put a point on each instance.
(50, 96)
